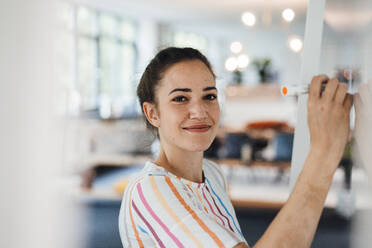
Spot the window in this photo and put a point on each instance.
(106, 56)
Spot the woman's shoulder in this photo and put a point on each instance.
(149, 180)
(210, 164)
(213, 171)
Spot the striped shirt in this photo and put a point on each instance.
(160, 209)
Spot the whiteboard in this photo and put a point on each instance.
(309, 68)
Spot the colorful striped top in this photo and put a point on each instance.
(160, 209)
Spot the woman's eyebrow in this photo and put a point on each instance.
(180, 89)
(209, 88)
(189, 90)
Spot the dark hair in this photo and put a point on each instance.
(155, 70)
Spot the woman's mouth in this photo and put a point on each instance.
(198, 128)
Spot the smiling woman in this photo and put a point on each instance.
(181, 200)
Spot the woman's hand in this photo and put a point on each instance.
(329, 116)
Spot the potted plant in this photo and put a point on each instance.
(262, 66)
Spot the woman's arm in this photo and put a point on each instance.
(296, 222)
(328, 119)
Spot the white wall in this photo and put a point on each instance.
(33, 211)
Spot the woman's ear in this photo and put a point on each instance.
(151, 113)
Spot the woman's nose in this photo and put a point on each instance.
(198, 111)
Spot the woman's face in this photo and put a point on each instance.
(188, 108)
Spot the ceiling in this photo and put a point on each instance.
(197, 10)
(339, 14)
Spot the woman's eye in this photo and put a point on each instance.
(179, 99)
(211, 97)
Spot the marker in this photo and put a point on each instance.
(296, 90)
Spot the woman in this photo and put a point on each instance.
(180, 199)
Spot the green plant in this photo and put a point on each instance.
(237, 77)
(263, 68)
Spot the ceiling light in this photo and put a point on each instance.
(288, 15)
(248, 19)
(236, 47)
(231, 64)
(243, 61)
(295, 44)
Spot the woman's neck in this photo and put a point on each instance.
(185, 164)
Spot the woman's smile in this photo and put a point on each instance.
(200, 128)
